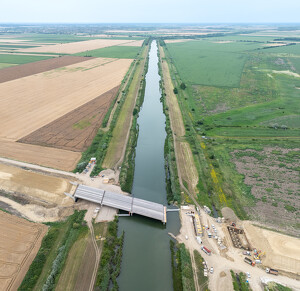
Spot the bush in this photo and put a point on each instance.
(182, 86)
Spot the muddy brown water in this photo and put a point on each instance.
(146, 262)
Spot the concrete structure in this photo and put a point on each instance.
(120, 201)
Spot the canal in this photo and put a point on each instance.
(146, 263)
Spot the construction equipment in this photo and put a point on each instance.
(249, 261)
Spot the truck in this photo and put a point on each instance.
(206, 250)
(272, 271)
(249, 261)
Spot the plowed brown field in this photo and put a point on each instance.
(20, 241)
(75, 130)
(29, 103)
(21, 71)
(77, 47)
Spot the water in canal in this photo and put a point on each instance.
(146, 263)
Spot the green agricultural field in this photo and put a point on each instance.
(15, 46)
(211, 63)
(5, 65)
(20, 59)
(122, 52)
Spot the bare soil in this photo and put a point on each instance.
(75, 130)
(48, 189)
(20, 241)
(21, 71)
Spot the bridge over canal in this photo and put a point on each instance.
(123, 202)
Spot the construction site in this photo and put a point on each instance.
(229, 244)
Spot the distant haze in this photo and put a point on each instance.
(152, 11)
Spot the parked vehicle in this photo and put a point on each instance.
(211, 270)
(206, 250)
(272, 271)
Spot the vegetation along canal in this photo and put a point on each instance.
(146, 263)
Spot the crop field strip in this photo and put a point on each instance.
(19, 243)
(17, 59)
(25, 70)
(75, 130)
(80, 46)
(208, 63)
(120, 132)
(43, 156)
(118, 51)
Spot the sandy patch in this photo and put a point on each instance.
(289, 73)
(42, 187)
(282, 251)
(273, 44)
(223, 41)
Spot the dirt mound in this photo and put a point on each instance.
(229, 215)
(282, 252)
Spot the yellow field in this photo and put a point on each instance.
(77, 47)
(133, 43)
(20, 241)
(29, 103)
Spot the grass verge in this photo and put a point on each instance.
(183, 278)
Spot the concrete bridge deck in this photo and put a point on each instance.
(128, 203)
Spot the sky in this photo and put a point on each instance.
(150, 11)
